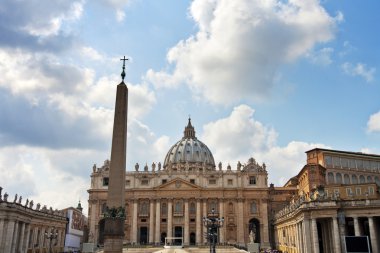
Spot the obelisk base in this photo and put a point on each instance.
(113, 235)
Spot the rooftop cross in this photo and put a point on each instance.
(123, 73)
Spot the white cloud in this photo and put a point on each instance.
(321, 57)
(254, 140)
(57, 178)
(240, 45)
(359, 69)
(373, 124)
(92, 53)
(26, 16)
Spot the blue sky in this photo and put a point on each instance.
(264, 79)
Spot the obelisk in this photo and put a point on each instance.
(115, 214)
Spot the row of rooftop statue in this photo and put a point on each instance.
(252, 164)
(28, 204)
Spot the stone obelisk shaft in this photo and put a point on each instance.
(116, 187)
(114, 224)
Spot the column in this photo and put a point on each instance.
(356, 226)
(26, 241)
(151, 222)
(2, 227)
(41, 239)
(240, 225)
(158, 222)
(170, 218)
(372, 233)
(221, 214)
(9, 236)
(265, 234)
(186, 218)
(336, 235)
(15, 237)
(300, 243)
(296, 241)
(314, 231)
(204, 215)
(198, 223)
(134, 223)
(19, 247)
(306, 234)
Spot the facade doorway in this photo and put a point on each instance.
(178, 232)
(143, 235)
(192, 238)
(163, 236)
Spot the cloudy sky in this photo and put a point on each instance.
(264, 79)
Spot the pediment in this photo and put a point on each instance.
(178, 184)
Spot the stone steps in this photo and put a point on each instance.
(184, 250)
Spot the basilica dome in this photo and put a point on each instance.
(189, 153)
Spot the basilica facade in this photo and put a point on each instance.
(170, 199)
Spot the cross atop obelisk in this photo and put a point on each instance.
(115, 214)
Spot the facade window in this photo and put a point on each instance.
(252, 180)
(213, 205)
(344, 162)
(164, 209)
(346, 179)
(192, 181)
(361, 179)
(230, 182)
(144, 208)
(366, 165)
(338, 178)
(192, 208)
(328, 161)
(164, 181)
(377, 180)
(105, 181)
(178, 207)
(127, 182)
(330, 178)
(370, 190)
(354, 179)
(352, 163)
(212, 181)
(369, 179)
(348, 191)
(144, 182)
(358, 191)
(253, 207)
(359, 164)
(336, 162)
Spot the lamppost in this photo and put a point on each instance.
(212, 223)
(53, 234)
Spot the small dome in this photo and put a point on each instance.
(189, 151)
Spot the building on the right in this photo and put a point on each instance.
(337, 205)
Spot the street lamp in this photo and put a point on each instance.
(53, 234)
(212, 223)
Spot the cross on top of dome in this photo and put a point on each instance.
(189, 132)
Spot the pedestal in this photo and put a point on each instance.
(113, 235)
(253, 247)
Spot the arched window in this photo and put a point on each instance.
(361, 179)
(354, 179)
(377, 180)
(338, 178)
(346, 179)
(253, 207)
(369, 179)
(330, 178)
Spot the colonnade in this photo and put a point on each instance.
(19, 236)
(301, 236)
